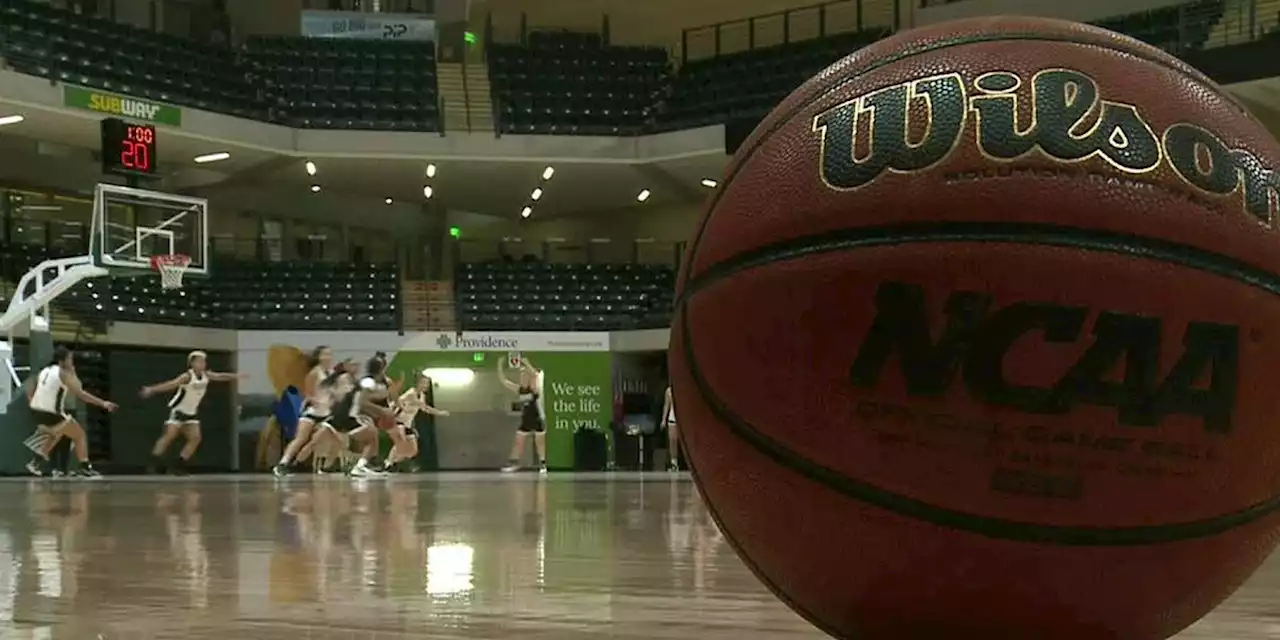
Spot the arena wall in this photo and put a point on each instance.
(1083, 10)
(666, 224)
(660, 22)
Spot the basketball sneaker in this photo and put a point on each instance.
(86, 472)
(363, 470)
(36, 467)
(511, 467)
(542, 469)
(280, 470)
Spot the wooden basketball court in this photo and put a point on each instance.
(565, 557)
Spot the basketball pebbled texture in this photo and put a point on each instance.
(1015, 383)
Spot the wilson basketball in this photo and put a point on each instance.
(976, 340)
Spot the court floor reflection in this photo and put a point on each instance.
(448, 556)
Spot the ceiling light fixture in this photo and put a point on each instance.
(526, 212)
(643, 195)
(311, 168)
(548, 172)
(709, 183)
(431, 171)
(315, 188)
(13, 119)
(212, 157)
(388, 200)
(536, 195)
(427, 192)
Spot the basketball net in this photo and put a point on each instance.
(171, 267)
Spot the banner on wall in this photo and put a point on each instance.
(367, 26)
(120, 105)
(510, 341)
(577, 391)
(577, 378)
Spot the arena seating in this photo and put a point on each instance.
(1177, 29)
(39, 39)
(536, 296)
(303, 82)
(276, 295)
(348, 84)
(570, 83)
(711, 90)
(244, 295)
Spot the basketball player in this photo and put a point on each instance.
(532, 420)
(184, 408)
(408, 406)
(673, 434)
(46, 397)
(324, 385)
(373, 412)
(329, 443)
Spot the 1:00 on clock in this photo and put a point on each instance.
(127, 148)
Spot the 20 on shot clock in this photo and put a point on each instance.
(128, 148)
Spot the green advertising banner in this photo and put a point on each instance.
(119, 105)
(576, 388)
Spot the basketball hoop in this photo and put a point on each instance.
(171, 267)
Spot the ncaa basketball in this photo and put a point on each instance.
(1002, 249)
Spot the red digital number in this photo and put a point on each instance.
(135, 156)
(141, 134)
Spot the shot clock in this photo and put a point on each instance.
(127, 148)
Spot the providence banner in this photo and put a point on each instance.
(577, 379)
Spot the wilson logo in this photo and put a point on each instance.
(915, 125)
(1202, 382)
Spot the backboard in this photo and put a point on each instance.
(131, 225)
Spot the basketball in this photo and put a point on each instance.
(386, 423)
(1004, 311)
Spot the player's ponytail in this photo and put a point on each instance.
(313, 360)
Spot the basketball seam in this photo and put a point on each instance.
(1004, 233)
(1135, 246)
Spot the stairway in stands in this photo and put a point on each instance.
(464, 94)
(1240, 21)
(479, 97)
(428, 305)
(453, 95)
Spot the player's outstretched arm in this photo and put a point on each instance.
(72, 383)
(169, 385)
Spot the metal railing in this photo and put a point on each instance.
(563, 250)
(792, 25)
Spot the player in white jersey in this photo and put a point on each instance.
(408, 406)
(325, 386)
(372, 411)
(673, 434)
(329, 443)
(46, 396)
(184, 408)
